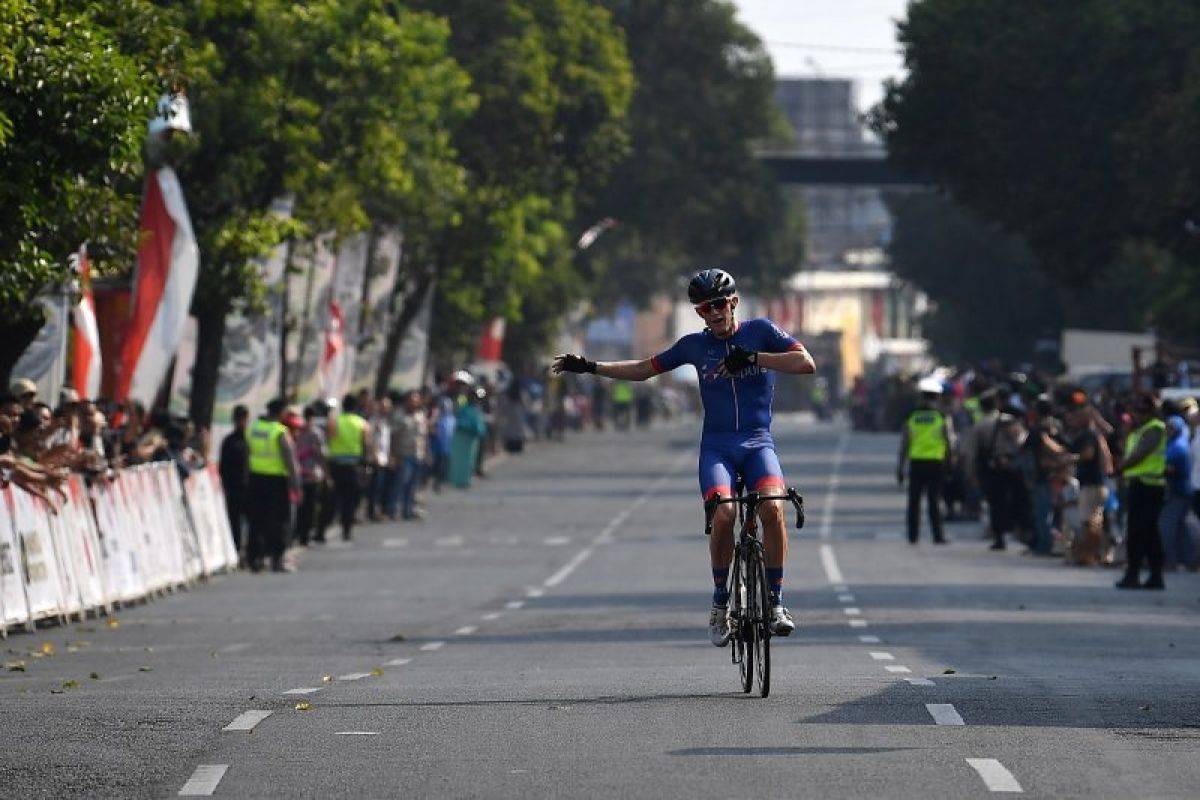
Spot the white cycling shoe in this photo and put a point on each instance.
(781, 622)
(718, 626)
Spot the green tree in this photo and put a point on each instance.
(78, 83)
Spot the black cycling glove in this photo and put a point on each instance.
(739, 358)
(574, 363)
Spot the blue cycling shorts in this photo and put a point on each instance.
(723, 455)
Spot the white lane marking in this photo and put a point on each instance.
(466, 630)
(247, 720)
(505, 540)
(944, 714)
(831, 493)
(235, 648)
(557, 541)
(900, 670)
(304, 690)
(829, 562)
(841, 587)
(995, 777)
(537, 591)
(858, 623)
(429, 647)
(882, 656)
(494, 615)
(514, 604)
(845, 598)
(398, 662)
(449, 541)
(920, 681)
(569, 567)
(395, 542)
(354, 676)
(356, 733)
(204, 780)
(852, 611)
(869, 639)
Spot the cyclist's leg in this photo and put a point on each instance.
(760, 466)
(716, 477)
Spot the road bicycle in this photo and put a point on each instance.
(749, 594)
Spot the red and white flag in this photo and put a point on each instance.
(491, 341)
(85, 367)
(168, 263)
(334, 359)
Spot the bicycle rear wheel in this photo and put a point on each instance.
(739, 617)
(759, 608)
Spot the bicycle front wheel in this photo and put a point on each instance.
(740, 620)
(759, 608)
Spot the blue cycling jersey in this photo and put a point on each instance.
(741, 403)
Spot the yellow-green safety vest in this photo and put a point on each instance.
(926, 440)
(265, 456)
(346, 437)
(622, 392)
(971, 404)
(1150, 469)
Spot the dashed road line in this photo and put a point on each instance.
(354, 676)
(845, 598)
(537, 591)
(398, 662)
(858, 623)
(841, 588)
(429, 647)
(204, 780)
(920, 681)
(449, 541)
(897, 669)
(466, 630)
(852, 611)
(494, 615)
(869, 639)
(832, 571)
(569, 567)
(557, 541)
(235, 648)
(246, 721)
(944, 714)
(826, 531)
(514, 604)
(995, 777)
(304, 690)
(877, 656)
(356, 733)
(395, 542)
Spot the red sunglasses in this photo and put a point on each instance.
(719, 304)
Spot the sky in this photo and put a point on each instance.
(831, 38)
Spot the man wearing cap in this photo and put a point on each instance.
(24, 391)
(926, 442)
(274, 478)
(1143, 466)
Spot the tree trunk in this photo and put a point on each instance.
(413, 300)
(210, 335)
(16, 333)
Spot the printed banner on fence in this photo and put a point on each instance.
(12, 587)
(39, 562)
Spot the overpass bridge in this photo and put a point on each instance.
(837, 171)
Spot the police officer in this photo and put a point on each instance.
(349, 441)
(1143, 467)
(925, 444)
(274, 480)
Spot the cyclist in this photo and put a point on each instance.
(736, 363)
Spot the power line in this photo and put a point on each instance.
(834, 47)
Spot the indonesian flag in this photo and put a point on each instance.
(168, 262)
(491, 342)
(334, 357)
(589, 237)
(85, 369)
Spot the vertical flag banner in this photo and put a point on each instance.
(168, 263)
(491, 341)
(85, 367)
(335, 360)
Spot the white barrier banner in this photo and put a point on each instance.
(171, 490)
(137, 510)
(12, 588)
(118, 545)
(89, 570)
(39, 563)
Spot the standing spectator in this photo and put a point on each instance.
(311, 458)
(511, 417)
(1046, 454)
(24, 391)
(274, 479)
(1143, 465)
(441, 432)
(469, 430)
(1093, 464)
(349, 443)
(234, 468)
(622, 403)
(382, 474)
(485, 396)
(1178, 546)
(925, 445)
(410, 436)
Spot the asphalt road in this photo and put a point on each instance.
(543, 635)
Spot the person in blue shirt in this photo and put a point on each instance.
(1178, 546)
(737, 363)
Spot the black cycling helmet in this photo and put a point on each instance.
(711, 284)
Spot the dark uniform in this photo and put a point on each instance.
(927, 448)
(347, 445)
(1145, 501)
(268, 503)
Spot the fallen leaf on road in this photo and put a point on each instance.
(399, 637)
(304, 706)
(1143, 708)
(71, 684)
(113, 622)
(15, 666)
(94, 676)
(57, 691)
(377, 672)
(149, 649)
(949, 671)
(326, 678)
(145, 669)
(47, 648)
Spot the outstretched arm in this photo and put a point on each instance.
(621, 370)
(793, 362)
